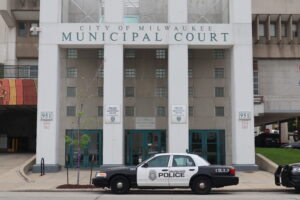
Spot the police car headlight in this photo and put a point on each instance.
(101, 174)
(296, 170)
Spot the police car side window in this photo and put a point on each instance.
(183, 161)
(159, 161)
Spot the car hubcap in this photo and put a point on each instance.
(119, 185)
(201, 185)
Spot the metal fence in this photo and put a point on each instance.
(24, 71)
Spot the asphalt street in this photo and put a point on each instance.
(150, 195)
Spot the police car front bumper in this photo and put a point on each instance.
(221, 181)
(100, 182)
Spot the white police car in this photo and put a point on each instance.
(167, 170)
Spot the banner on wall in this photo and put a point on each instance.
(18, 92)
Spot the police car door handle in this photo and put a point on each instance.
(192, 169)
(165, 170)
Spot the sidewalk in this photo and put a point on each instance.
(12, 181)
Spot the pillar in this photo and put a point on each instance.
(178, 132)
(48, 110)
(113, 133)
(243, 148)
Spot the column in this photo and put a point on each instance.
(243, 149)
(48, 91)
(178, 133)
(113, 133)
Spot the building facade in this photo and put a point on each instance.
(142, 77)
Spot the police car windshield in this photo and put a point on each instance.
(145, 161)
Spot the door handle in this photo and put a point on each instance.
(191, 169)
(165, 170)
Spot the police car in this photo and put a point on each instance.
(288, 176)
(167, 170)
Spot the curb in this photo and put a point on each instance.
(25, 167)
(265, 164)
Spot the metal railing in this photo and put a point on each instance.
(19, 71)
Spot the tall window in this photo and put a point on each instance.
(129, 111)
(100, 111)
(130, 53)
(261, 31)
(71, 92)
(161, 73)
(72, 53)
(219, 73)
(22, 30)
(71, 111)
(283, 30)
(219, 54)
(219, 92)
(161, 111)
(161, 92)
(295, 30)
(130, 73)
(161, 54)
(273, 30)
(72, 72)
(129, 91)
(255, 83)
(219, 111)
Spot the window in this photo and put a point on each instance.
(101, 53)
(71, 111)
(219, 111)
(261, 30)
(72, 53)
(71, 72)
(219, 92)
(130, 73)
(161, 73)
(219, 54)
(131, 3)
(22, 30)
(130, 53)
(255, 83)
(191, 91)
(100, 111)
(219, 73)
(129, 92)
(129, 111)
(191, 111)
(100, 72)
(273, 30)
(161, 111)
(190, 73)
(159, 161)
(295, 30)
(161, 54)
(100, 91)
(34, 33)
(161, 92)
(71, 92)
(183, 161)
(283, 30)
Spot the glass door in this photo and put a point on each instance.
(209, 144)
(91, 155)
(143, 144)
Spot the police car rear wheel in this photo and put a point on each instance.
(119, 185)
(201, 185)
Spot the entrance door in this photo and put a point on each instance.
(209, 144)
(91, 155)
(143, 144)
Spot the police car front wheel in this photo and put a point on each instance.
(119, 185)
(201, 185)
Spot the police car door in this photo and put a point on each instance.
(181, 171)
(155, 172)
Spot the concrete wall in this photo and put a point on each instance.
(279, 84)
(86, 84)
(275, 7)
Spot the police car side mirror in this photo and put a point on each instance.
(145, 165)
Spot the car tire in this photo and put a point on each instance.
(119, 185)
(201, 185)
